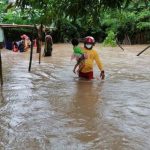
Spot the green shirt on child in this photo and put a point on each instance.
(77, 50)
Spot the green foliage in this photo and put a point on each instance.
(99, 18)
(143, 20)
(110, 40)
(2, 9)
(143, 25)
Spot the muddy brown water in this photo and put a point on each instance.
(50, 108)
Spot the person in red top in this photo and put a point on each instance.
(15, 47)
(87, 70)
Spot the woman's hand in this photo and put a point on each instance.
(102, 75)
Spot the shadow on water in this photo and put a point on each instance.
(2, 101)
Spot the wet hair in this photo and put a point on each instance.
(74, 42)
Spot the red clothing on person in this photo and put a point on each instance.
(87, 75)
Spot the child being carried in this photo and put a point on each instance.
(78, 54)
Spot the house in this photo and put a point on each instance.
(12, 32)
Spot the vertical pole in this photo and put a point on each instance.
(31, 52)
(40, 55)
(1, 74)
(40, 37)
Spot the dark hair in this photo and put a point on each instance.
(48, 33)
(74, 42)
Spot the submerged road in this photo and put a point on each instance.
(51, 109)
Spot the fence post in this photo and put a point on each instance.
(1, 73)
(31, 51)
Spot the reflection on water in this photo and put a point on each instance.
(51, 108)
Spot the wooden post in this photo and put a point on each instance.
(143, 50)
(119, 44)
(1, 74)
(40, 37)
(40, 55)
(31, 52)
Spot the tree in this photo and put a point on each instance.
(80, 18)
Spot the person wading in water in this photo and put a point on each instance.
(48, 44)
(87, 70)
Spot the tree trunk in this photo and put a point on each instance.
(126, 40)
(39, 38)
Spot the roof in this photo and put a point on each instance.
(16, 26)
(20, 26)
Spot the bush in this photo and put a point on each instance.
(110, 40)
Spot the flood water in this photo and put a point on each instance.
(50, 108)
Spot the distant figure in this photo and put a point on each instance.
(78, 54)
(21, 44)
(35, 43)
(15, 47)
(26, 41)
(48, 45)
